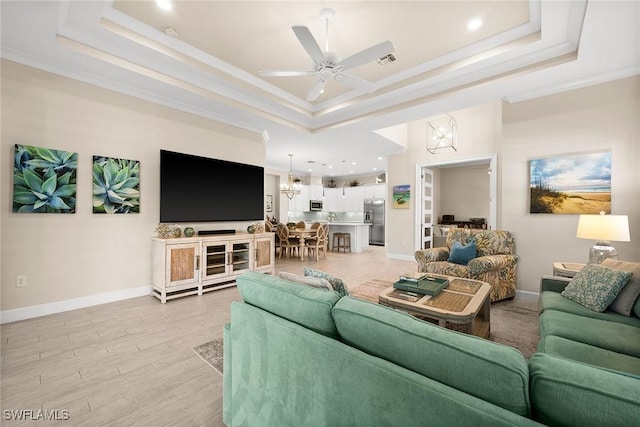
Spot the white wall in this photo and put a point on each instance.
(603, 117)
(464, 192)
(68, 256)
(478, 136)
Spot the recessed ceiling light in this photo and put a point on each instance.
(474, 24)
(164, 4)
(375, 169)
(353, 163)
(380, 158)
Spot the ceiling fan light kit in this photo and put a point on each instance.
(327, 65)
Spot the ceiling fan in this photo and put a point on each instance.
(327, 65)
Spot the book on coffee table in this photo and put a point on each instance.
(427, 286)
(413, 277)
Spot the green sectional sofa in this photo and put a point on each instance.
(295, 355)
(587, 367)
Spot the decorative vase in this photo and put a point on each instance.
(251, 229)
(189, 232)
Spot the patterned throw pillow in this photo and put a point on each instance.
(596, 286)
(338, 285)
(314, 282)
(462, 254)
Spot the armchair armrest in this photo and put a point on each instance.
(553, 283)
(424, 256)
(486, 263)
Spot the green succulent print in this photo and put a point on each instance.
(116, 185)
(44, 180)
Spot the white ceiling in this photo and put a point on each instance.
(524, 49)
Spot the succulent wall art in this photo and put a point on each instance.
(116, 185)
(44, 180)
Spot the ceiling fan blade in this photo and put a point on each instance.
(309, 43)
(368, 55)
(316, 90)
(356, 83)
(285, 73)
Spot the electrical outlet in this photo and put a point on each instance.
(21, 281)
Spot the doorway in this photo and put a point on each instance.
(470, 191)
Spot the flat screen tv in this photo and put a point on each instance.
(201, 189)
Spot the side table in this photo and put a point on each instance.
(566, 269)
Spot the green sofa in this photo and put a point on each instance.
(295, 355)
(301, 356)
(587, 367)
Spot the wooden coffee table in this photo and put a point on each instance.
(463, 306)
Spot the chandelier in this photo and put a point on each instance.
(444, 134)
(291, 188)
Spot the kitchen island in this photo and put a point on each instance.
(359, 233)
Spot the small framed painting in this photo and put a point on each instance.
(401, 196)
(116, 185)
(269, 203)
(571, 184)
(44, 180)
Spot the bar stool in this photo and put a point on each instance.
(341, 241)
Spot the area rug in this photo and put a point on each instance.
(211, 352)
(513, 322)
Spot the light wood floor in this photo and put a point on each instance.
(131, 362)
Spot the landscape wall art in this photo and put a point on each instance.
(116, 185)
(571, 184)
(44, 180)
(401, 196)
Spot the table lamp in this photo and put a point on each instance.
(603, 229)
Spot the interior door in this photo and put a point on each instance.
(426, 207)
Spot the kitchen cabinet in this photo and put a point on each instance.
(194, 265)
(300, 203)
(376, 191)
(330, 201)
(353, 200)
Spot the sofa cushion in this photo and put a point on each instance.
(337, 284)
(554, 301)
(484, 369)
(564, 393)
(304, 305)
(612, 336)
(596, 286)
(629, 293)
(585, 353)
(314, 282)
(462, 254)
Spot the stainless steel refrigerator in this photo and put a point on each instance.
(374, 215)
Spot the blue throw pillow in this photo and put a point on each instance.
(462, 254)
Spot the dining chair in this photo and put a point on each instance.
(301, 224)
(287, 244)
(318, 242)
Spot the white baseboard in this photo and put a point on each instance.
(526, 295)
(30, 312)
(402, 257)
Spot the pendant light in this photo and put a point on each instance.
(290, 189)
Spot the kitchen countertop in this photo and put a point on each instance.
(350, 223)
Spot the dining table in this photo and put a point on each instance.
(302, 234)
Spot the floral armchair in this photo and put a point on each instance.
(495, 262)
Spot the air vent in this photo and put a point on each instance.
(171, 32)
(384, 60)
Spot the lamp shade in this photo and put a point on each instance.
(613, 228)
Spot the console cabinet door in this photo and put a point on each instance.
(240, 256)
(182, 264)
(214, 260)
(264, 254)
